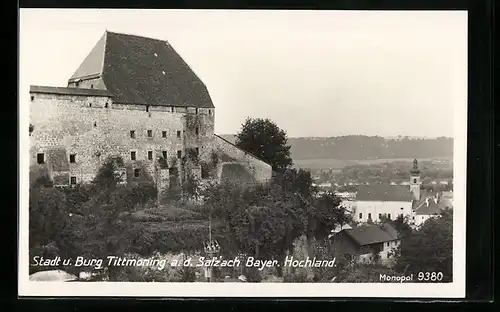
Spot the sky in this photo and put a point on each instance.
(314, 73)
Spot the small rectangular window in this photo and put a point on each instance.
(179, 154)
(360, 216)
(132, 155)
(147, 108)
(132, 134)
(72, 158)
(72, 180)
(196, 110)
(369, 216)
(164, 154)
(197, 151)
(389, 215)
(137, 172)
(150, 155)
(164, 134)
(210, 112)
(197, 131)
(150, 133)
(40, 158)
(380, 216)
(178, 134)
(32, 97)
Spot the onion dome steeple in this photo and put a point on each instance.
(415, 170)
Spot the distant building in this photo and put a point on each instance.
(364, 242)
(346, 195)
(431, 207)
(375, 201)
(325, 185)
(389, 200)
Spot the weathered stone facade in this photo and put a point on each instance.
(86, 122)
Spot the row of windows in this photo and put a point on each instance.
(172, 110)
(133, 154)
(40, 157)
(163, 133)
(379, 215)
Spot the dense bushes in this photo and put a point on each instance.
(92, 220)
(172, 237)
(110, 218)
(169, 213)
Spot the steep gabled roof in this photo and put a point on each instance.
(140, 70)
(93, 63)
(384, 192)
(372, 234)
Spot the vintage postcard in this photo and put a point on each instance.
(196, 153)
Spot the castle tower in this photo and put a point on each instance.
(415, 180)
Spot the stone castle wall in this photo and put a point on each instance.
(258, 169)
(90, 130)
(92, 127)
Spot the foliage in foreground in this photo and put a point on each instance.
(430, 248)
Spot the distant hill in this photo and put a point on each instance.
(360, 147)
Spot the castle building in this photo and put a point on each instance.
(136, 98)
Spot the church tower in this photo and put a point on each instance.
(415, 180)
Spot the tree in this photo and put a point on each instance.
(264, 139)
(430, 248)
(93, 220)
(48, 214)
(327, 215)
(265, 220)
(401, 225)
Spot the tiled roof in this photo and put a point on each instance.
(373, 233)
(139, 70)
(92, 65)
(384, 192)
(69, 91)
(431, 207)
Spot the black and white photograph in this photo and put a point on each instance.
(202, 153)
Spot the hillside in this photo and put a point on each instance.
(359, 147)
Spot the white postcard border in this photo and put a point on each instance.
(456, 289)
